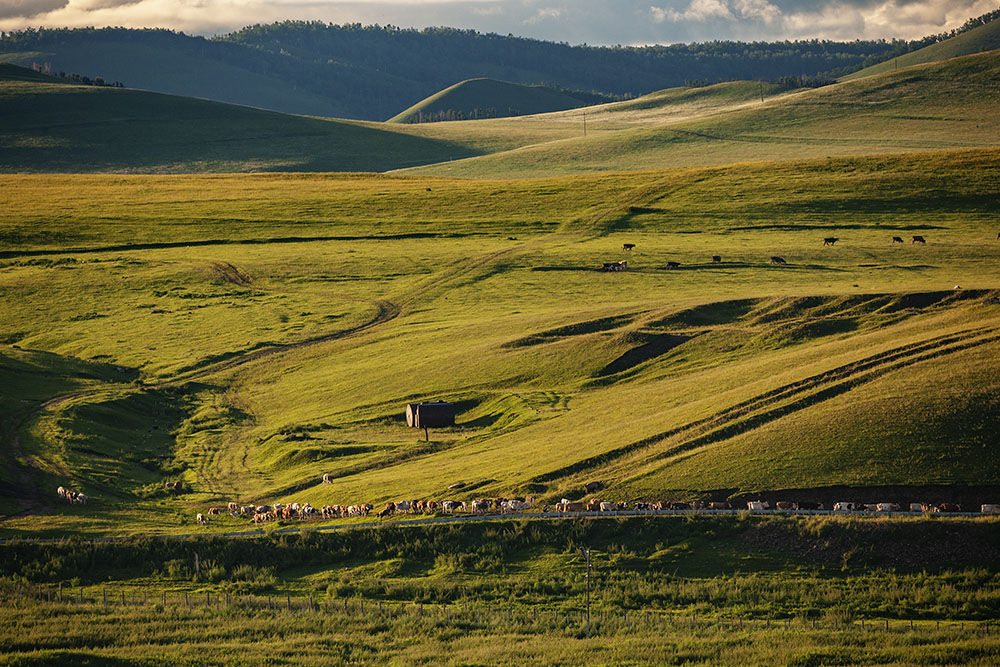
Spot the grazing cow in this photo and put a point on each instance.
(233, 507)
(592, 487)
(778, 260)
(949, 507)
(719, 506)
(897, 239)
(716, 259)
(449, 506)
(615, 266)
(916, 507)
(213, 511)
(80, 498)
(201, 519)
(887, 507)
(990, 509)
(594, 506)
(830, 240)
(403, 506)
(785, 506)
(756, 505)
(261, 509)
(870, 507)
(844, 507)
(61, 492)
(326, 478)
(627, 246)
(607, 507)
(480, 506)
(673, 265)
(567, 506)
(918, 239)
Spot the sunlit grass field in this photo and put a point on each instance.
(247, 334)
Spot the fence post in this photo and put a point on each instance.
(187, 602)
(288, 602)
(123, 597)
(104, 594)
(887, 625)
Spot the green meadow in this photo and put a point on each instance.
(247, 334)
(810, 312)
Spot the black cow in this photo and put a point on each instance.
(627, 246)
(673, 265)
(716, 259)
(830, 240)
(918, 239)
(897, 239)
(778, 260)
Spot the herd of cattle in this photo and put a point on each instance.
(761, 505)
(302, 511)
(298, 511)
(73, 497)
(717, 259)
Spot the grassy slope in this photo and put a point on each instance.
(52, 126)
(486, 299)
(939, 105)
(467, 96)
(984, 38)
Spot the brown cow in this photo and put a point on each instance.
(719, 506)
(214, 510)
(594, 506)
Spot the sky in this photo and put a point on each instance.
(595, 22)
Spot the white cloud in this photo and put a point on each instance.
(543, 14)
(698, 10)
(579, 21)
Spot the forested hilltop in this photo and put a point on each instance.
(374, 72)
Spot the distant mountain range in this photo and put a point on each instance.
(374, 73)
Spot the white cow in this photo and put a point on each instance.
(480, 506)
(756, 505)
(201, 519)
(990, 509)
(326, 478)
(80, 498)
(887, 507)
(403, 506)
(844, 507)
(608, 507)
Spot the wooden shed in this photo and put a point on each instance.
(430, 415)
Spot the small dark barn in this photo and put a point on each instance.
(430, 415)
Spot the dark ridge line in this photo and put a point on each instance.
(9, 254)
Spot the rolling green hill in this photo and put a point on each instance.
(245, 334)
(373, 72)
(486, 98)
(951, 104)
(53, 126)
(983, 38)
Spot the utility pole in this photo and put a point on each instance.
(586, 554)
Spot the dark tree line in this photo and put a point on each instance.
(374, 72)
